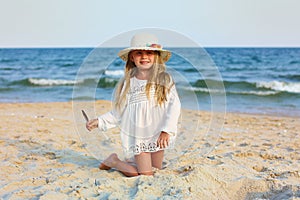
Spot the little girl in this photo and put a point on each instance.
(146, 108)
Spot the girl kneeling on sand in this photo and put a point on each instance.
(146, 108)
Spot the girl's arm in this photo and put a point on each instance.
(108, 120)
(104, 122)
(170, 123)
(172, 113)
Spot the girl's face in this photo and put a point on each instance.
(143, 59)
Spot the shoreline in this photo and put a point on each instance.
(43, 157)
(271, 114)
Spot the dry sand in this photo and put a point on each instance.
(43, 157)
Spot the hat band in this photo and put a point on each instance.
(154, 45)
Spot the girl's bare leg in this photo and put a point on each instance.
(157, 159)
(144, 163)
(114, 162)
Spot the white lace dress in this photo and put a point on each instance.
(143, 120)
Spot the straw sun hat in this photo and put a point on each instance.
(145, 41)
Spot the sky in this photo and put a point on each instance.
(90, 23)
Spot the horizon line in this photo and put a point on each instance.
(90, 47)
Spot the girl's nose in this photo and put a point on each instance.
(144, 54)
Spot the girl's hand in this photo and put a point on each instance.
(92, 124)
(163, 140)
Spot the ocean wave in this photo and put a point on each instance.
(269, 88)
(107, 83)
(8, 68)
(228, 92)
(206, 86)
(201, 89)
(294, 62)
(104, 82)
(292, 77)
(257, 93)
(242, 85)
(114, 73)
(8, 60)
(50, 82)
(190, 70)
(67, 64)
(280, 86)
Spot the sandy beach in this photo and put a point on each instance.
(43, 157)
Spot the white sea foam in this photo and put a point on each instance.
(251, 92)
(50, 82)
(200, 89)
(280, 86)
(258, 93)
(114, 73)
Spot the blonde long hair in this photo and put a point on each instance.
(159, 79)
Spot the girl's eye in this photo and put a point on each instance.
(150, 52)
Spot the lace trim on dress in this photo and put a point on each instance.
(142, 147)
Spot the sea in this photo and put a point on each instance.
(254, 80)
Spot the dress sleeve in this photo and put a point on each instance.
(108, 120)
(173, 108)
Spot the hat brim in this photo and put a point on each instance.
(165, 54)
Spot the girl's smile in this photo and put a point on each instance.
(143, 59)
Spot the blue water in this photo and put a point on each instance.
(256, 80)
